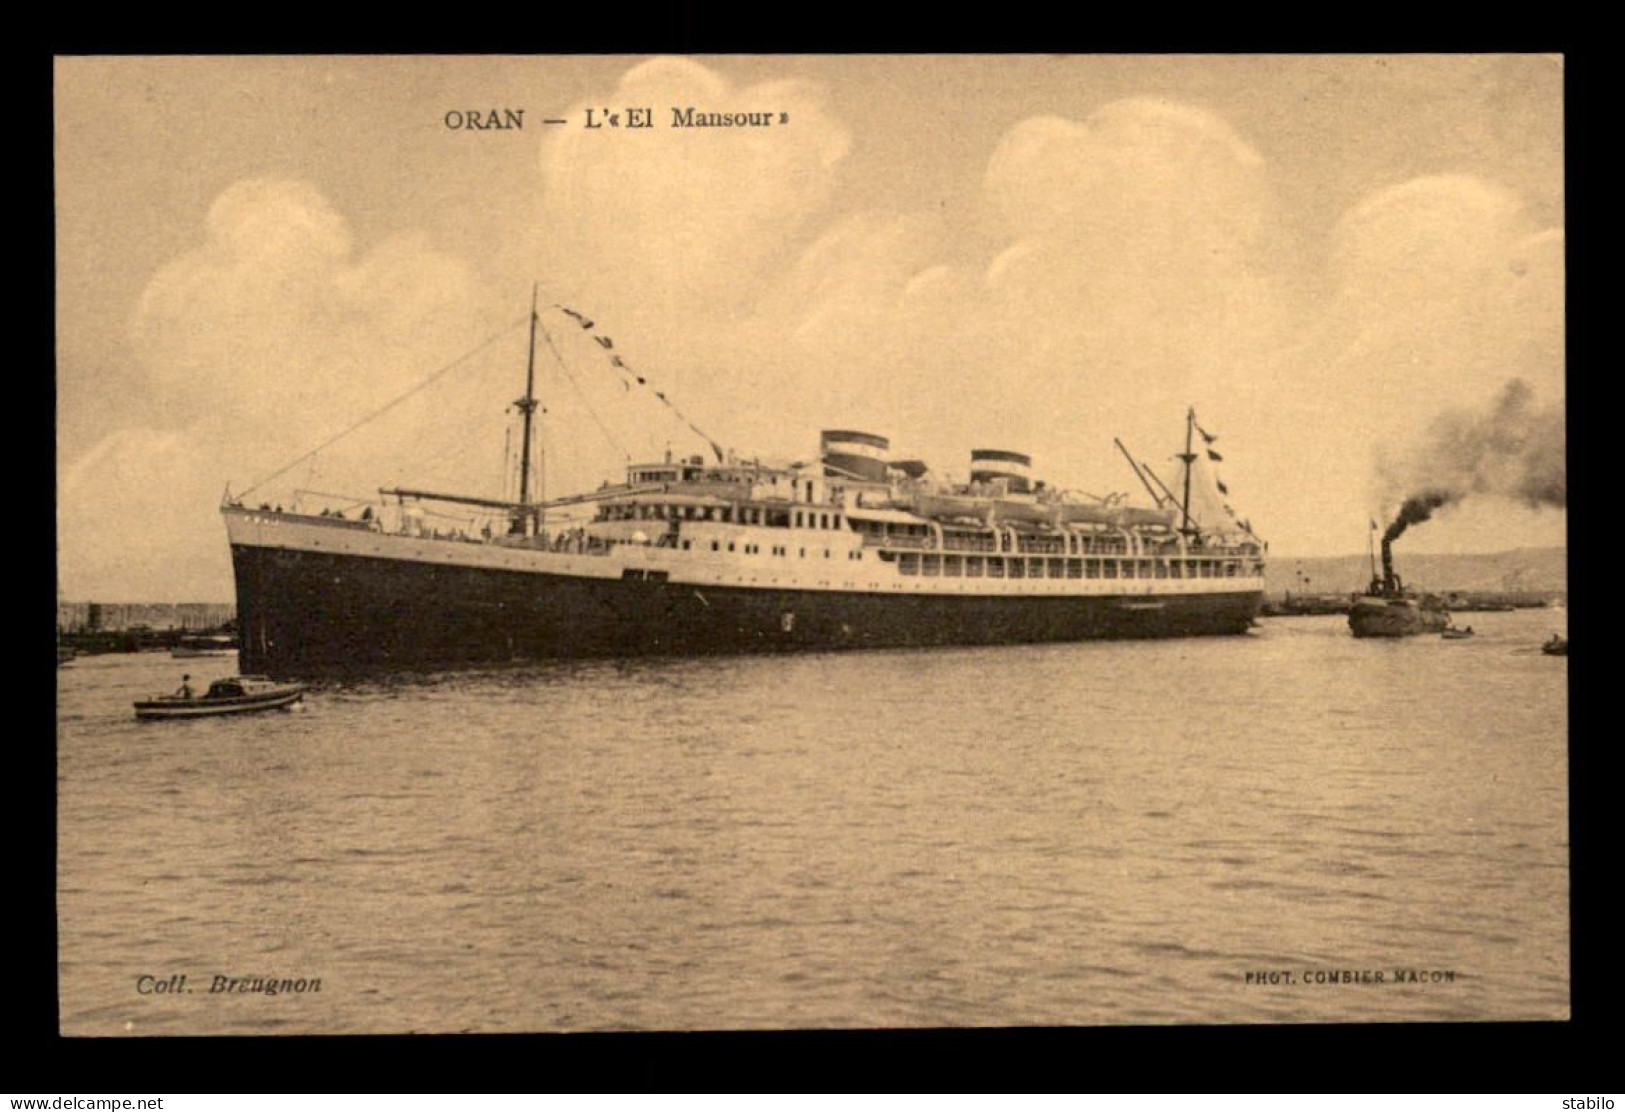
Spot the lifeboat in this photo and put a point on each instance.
(952, 505)
(1120, 517)
(989, 510)
(1087, 513)
(1022, 509)
(1131, 517)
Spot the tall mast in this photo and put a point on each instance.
(1189, 457)
(527, 406)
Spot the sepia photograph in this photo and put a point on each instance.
(732, 542)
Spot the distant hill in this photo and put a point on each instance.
(1522, 569)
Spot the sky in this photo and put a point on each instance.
(1330, 258)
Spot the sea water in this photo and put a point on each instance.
(1292, 825)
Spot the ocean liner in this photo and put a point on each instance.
(853, 549)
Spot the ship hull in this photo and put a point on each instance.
(1376, 617)
(305, 613)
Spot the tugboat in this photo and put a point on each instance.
(1389, 609)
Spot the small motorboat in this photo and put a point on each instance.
(1453, 634)
(234, 695)
(1557, 646)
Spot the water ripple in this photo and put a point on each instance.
(1073, 834)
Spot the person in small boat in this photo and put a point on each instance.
(185, 691)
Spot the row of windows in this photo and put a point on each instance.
(746, 515)
(891, 535)
(1053, 567)
(778, 550)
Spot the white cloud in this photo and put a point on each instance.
(267, 338)
(679, 220)
(1128, 264)
(1140, 169)
(1444, 291)
(1439, 291)
(274, 322)
(133, 522)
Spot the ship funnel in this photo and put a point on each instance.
(853, 455)
(990, 464)
(1390, 581)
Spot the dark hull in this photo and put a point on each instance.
(311, 614)
(1397, 618)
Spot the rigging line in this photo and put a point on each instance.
(574, 385)
(386, 408)
(353, 499)
(457, 447)
(629, 374)
(453, 517)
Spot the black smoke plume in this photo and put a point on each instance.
(1417, 509)
(1517, 450)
